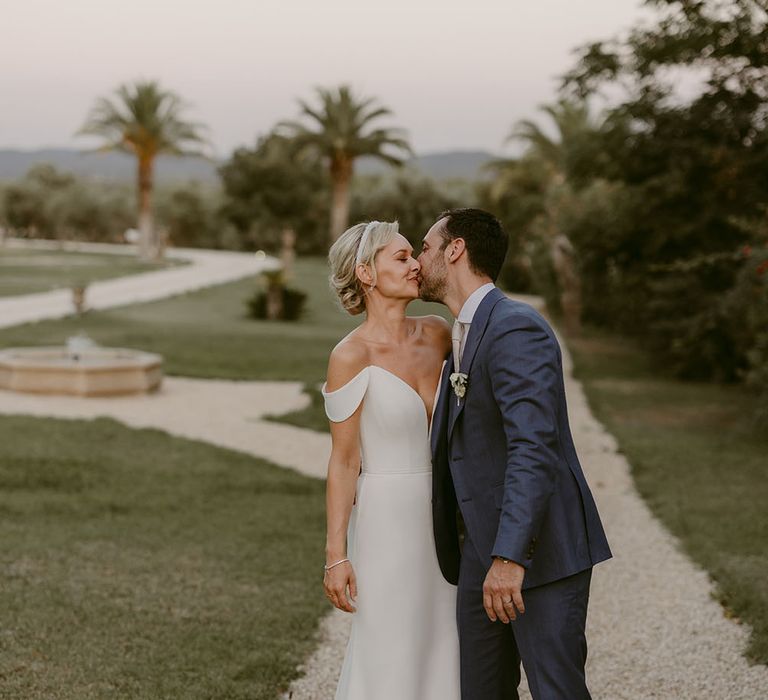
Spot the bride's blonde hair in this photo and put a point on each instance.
(358, 245)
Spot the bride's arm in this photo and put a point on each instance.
(343, 469)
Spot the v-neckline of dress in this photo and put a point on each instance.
(427, 414)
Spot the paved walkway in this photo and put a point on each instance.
(655, 630)
(205, 268)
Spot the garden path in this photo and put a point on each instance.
(205, 268)
(655, 630)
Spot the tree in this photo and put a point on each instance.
(27, 201)
(690, 167)
(270, 188)
(541, 183)
(340, 130)
(189, 214)
(413, 200)
(145, 121)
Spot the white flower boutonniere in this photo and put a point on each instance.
(459, 384)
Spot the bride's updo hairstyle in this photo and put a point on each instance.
(357, 246)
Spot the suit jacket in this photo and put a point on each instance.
(504, 453)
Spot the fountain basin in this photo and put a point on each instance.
(91, 371)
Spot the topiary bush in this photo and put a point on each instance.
(276, 301)
(293, 304)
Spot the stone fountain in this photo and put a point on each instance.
(81, 368)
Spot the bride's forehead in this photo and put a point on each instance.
(398, 242)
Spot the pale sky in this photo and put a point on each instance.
(457, 75)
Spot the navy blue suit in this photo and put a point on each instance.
(504, 455)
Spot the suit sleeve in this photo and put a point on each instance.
(524, 372)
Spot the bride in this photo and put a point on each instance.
(380, 556)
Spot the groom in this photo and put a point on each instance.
(504, 458)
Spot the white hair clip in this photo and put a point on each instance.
(363, 241)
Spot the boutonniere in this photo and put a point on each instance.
(459, 384)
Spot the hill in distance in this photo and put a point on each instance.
(120, 167)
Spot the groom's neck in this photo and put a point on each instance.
(462, 289)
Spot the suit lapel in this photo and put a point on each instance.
(440, 414)
(476, 332)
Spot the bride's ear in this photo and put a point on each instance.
(363, 273)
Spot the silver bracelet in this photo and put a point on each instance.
(328, 568)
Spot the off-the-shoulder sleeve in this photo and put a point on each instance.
(343, 402)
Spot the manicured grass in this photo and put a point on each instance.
(312, 417)
(698, 462)
(207, 334)
(139, 566)
(29, 271)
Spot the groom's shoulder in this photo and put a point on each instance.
(513, 311)
(511, 316)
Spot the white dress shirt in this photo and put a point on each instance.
(467, 312)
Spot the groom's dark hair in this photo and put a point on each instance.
(483, 235)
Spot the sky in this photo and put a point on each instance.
(456, 74)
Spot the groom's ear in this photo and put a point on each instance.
(455, 249)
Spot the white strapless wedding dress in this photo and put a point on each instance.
(404, 643)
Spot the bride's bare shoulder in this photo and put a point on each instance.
(436, 329)
(347, 360)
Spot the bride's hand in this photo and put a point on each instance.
(341, 586)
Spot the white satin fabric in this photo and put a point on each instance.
(404, 642)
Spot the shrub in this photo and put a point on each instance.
(693, 328)
(276, 301)
(293, 301)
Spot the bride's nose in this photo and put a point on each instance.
(415, 265)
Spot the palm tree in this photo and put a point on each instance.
(560, 166)
(145, 121)
(339, 131)
(573, 122)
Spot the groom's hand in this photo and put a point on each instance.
(502, 591)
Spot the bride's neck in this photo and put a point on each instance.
(387, 323)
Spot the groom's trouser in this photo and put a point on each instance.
(549, 638)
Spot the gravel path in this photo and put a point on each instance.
(654, 629)
(224, 413)
(205, 268)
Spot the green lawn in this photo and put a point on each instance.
(137, 566)
(312, 417)
(697, 461)
(29, 271)
(206, 333)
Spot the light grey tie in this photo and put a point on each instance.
(457, 336)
